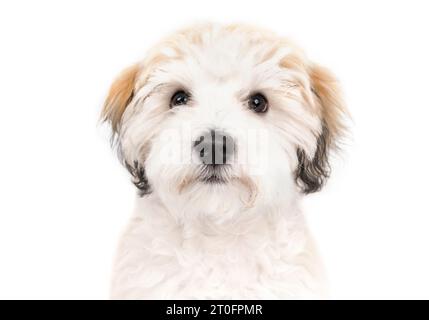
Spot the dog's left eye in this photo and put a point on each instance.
(258, 103)
(179, 98)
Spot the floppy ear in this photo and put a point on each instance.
(120, 95)
(313, 171)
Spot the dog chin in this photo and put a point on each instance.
(216, 180)
(214, 175)
(215, 197)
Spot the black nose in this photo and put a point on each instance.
(214, 147)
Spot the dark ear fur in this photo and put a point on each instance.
(312, 172)
(139, 177)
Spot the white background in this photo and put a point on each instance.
(64, 198)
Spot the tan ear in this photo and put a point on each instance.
(120, 95)
(313, 171)
(327, 91)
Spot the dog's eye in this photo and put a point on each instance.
(179, 98)
(258, 103)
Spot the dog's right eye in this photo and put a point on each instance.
(179, 98)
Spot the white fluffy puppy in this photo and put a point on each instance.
(222, 128)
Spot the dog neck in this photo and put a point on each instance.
(252, 228)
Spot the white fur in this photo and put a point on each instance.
(243, 239)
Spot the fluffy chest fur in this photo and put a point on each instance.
(266, 257)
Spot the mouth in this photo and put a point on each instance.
(214, 174)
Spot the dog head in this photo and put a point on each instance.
(220, 118)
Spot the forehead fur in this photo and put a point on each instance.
(220, 50)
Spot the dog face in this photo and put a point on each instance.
(225, 119)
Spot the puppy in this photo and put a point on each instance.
(223, 129)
